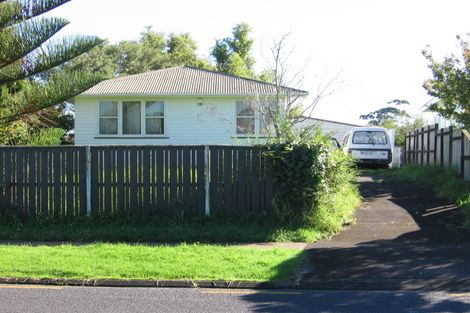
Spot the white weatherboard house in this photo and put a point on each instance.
(180, 105)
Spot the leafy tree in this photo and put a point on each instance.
(103, 59)
(387, 114)
(144, 55)
(394, 118)
(181, 49)
(233, 54)
(450, 84)
(152, 51)
(30, 80)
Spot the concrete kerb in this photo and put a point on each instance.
(223, 284)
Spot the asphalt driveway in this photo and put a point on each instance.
(402, 240)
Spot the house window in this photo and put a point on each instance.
(266, 123)
(131, 117)
(108, 115)
(245, 118)
(251, 120)
(154, 117)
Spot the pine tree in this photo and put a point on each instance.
(30, 76)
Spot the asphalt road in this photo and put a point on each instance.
(31, 299)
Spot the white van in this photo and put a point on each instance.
(369, 145)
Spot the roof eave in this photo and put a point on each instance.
(86, 95)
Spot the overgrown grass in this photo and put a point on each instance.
(155, 230)
(123, 261)
(444, 181)
(331, 213)
(337, 209)
(115, 232)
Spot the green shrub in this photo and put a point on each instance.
(315, 184)
(15, 133)
(47, 137)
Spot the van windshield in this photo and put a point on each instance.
(370, 137)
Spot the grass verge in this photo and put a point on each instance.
(124, 261)
(443, 181)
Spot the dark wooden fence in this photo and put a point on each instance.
(147, 179)
(133, 180)
(240, 180)
(43, 180)
(434, 146)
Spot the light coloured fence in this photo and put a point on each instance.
(445, 147)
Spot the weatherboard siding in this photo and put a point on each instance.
(331, 128)
(213, 122)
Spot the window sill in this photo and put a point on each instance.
(131, 137)
(251, 136)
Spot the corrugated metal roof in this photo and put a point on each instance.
(186, 80)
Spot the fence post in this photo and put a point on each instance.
(405, 152)
(422, 145)
(207, 209)
(88, 181)
(451, 145)
(442, 147)
(462, 154)
(436, 128)
(428, 145)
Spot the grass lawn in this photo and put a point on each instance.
(124, 261)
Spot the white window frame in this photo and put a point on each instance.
(122, 119)
(142, 119)
(256, 130)
(257, 117)
(145, 117)
(116, 117)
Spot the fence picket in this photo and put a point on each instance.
(255, 180)
(241, 179)
(200, 167)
